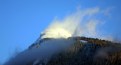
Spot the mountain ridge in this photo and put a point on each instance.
(69, 51)
(92, 52)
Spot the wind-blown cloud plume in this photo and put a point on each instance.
(72, 25)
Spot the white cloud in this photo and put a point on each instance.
(72, 24)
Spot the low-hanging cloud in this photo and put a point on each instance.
(43, 54)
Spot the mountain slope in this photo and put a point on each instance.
(70, 51)
(88, 51)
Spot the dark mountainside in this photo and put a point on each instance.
(85, 51)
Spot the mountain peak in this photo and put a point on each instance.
(69, 51)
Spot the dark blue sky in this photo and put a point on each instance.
(21, 21)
